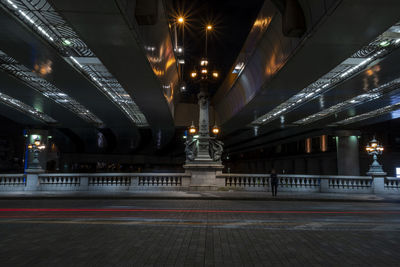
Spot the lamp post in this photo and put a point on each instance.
(374, 148)
(36, 147)
(204, 148)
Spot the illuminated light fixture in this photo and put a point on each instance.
(215, 130)
(238, 68)
(19, 71)
(357, 100)
(374, 148)
(24, 108)
(384, 43)
(42, 18)
(215, 74)
(209, 27)
(181, 61)
(368, 115)
(36, 147)
(204, 71)
(193, 74)
(150, 48)
(67, 42)
(192, 129)
(179, 50)
(181, 19)
(204, 62)
(37, 142)
(371, 53)
(182, 87)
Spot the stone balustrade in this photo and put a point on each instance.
(12, 182)
(300, 183)
(182, 181)
(392, 184)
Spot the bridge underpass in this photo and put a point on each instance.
(152, 132)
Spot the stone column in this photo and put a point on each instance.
(204, 136)
(347, 153)
(32, 180)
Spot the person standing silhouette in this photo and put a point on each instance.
(274, 182)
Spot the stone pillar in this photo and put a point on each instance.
(84, 184)
(378, 183)
(32, 181)
(324, 185)
(204, 136)
(347, 153)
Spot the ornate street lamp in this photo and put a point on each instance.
(202, 148)
(36, 147)
(192, 129)
(215, 130)
(374, 148)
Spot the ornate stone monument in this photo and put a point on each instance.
(203, 152)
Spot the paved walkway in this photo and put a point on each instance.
(232, 195)
(168, 232)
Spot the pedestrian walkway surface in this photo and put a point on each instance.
(233, 195)
(197, 232)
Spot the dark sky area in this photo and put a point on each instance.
(232, 21)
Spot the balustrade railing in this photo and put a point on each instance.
(62, 180)
(161, 179)
(246, 180)
(179, 181)
(350, 182)
(111, 180)
(392, 183)
(287, 182)
(12, 180)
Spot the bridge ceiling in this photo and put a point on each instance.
(331, 78)
(87, 72)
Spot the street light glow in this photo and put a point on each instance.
(193, 74)
(215, 74)
(181, 19)
(209, 27)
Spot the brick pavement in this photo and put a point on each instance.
(200, 239)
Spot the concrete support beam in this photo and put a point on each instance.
(347, 153)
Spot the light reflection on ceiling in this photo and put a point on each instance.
(34, 80)
(26, 109)
(363, 58)
(43, 19)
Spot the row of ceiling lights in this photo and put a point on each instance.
(24, 108)
(374, 52)
(49, 24)
(19, 71)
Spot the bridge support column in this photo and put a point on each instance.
(347, 153)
